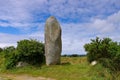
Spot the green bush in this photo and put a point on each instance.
(104, 51)
(10, 56)
(31, 51)
(1, 50)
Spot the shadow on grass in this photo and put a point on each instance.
(66, 63)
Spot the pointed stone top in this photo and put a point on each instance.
(51, 19)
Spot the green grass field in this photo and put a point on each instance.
(71, 68)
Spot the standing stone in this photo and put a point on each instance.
(53, 43)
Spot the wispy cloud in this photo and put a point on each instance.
(30, 11)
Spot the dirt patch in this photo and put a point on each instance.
(23, 77)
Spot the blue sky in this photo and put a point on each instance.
(81, 20)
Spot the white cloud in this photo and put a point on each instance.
(14, 11)
(102, 25)
(76, 35)
(3, 45)
(110, 24)
(11, 40)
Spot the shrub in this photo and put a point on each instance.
(104, 51)
(10, 56)
(1, 50)
(31, 51)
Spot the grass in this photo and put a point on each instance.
(72, 68)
